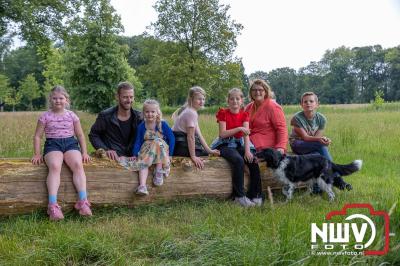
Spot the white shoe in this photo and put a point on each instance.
(142, 190)
(257, 201)
(244, 202)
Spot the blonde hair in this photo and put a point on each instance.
(235, 90)
(308, 93)
(267, 88)
(63, 91)
(159, 113)
(189, 100)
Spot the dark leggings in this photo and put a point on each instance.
(235, 157)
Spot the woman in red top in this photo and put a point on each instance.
(267, 120)
(234, 145)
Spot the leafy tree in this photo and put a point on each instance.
(14, 98)
(284, 83)
(29, 89)
(5, 91)
(245, 80)
(166, 74)
(5, 46)
(370, 70)
(21, 62)
(258, 75)
(95, 61)
(339, 84)
(378, 101)
(36, 21)
(392, 59)
(203, 27)
(198, 38)
(54, 69)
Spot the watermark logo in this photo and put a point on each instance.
(354, 235)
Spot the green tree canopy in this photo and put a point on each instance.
(36, 21)
(95, 61)
(193, 45)
(202, 26)
(29, 89)
(5, 90)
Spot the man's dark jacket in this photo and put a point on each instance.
(106, 132)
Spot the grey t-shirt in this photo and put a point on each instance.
(311, 126)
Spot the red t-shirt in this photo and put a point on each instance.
(232, 120)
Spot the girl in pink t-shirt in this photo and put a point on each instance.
(60, 126)
(189, 141)
(234, 145)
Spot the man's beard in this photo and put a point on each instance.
(125, 107)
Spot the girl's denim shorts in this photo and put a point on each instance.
(63, 145)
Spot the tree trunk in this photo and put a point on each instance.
(23, 185)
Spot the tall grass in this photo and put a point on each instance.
(212, 232)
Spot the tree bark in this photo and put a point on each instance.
(23, 185)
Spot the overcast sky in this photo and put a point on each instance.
(291, 33)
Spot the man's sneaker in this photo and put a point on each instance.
(158, 177)
(83, 206)
(244, 201)
(54, 211)
(257, 201)
(142, 190)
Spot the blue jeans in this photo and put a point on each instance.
(306, 147)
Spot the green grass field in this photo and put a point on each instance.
(215, 232)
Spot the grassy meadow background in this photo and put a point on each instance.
(214, 232)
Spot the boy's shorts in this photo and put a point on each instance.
(63, 145)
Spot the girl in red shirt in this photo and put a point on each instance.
(234, 145)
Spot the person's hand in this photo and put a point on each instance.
(324, 140)
(248, 156)
(245, 131)
(85, 157)
(215, 152)
(112, 155)
(198, 162)
(131, 159)
(37, 159)
(282, 151)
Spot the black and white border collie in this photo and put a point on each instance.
(310, 168)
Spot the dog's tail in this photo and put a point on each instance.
(347, 169)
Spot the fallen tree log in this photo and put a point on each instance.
(23, 185)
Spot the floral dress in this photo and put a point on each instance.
(154, 150)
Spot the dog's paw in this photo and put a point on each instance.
(349, 187)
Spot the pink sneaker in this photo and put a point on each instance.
(54, 211)
(84, 207)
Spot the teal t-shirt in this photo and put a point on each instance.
(311, 126)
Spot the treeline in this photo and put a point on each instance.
(77, 43)
(343, 75)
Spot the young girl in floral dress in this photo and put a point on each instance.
(154, 145)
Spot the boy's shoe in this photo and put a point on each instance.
(257, 201)
(54, 211)
(142, 190)
(158, 177)
(83, 206)
(244, 201)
